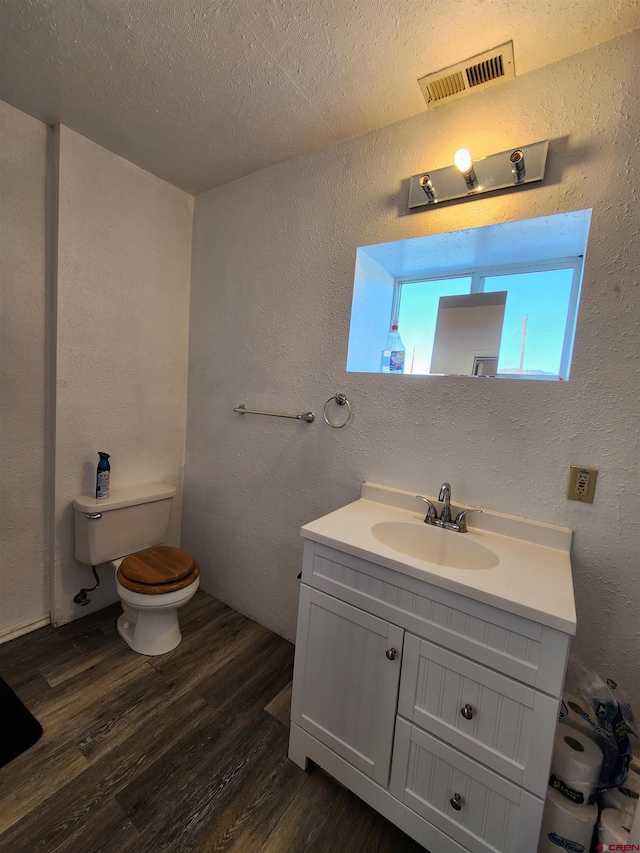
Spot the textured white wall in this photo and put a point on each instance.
(272, 275)
(124, 248)
(23, 583)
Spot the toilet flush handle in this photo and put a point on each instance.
(94, 515)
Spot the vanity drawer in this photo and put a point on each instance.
(474, 806)
(520, 648)
(500, 722)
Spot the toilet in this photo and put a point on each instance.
(153, 580)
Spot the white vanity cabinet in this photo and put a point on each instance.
(437, 709)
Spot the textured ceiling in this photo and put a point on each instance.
(201, 92)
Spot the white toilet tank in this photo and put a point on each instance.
(129, 520)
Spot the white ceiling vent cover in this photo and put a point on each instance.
(473, 74)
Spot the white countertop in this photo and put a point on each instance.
(532, 577)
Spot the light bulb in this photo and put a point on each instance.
(462, 159)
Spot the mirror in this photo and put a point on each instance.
(497, 301)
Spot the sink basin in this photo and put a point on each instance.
(434, 545)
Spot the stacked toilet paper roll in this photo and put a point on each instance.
(610, 829)
(633, 780)
(566, 825)
(634, 833)
(624, 800)
(572, 708)
(576, 762)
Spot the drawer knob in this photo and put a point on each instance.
(391, 654)
(455, 802)
(467, 712)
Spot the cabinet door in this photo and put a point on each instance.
(345, 685)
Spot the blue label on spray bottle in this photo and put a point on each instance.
(396, 361)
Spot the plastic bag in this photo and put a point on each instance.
(601, 711)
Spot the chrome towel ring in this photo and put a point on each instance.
(340, 400)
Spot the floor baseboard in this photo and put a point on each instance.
(24, 628)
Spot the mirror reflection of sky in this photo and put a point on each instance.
(542, 297)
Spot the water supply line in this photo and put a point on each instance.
(82, 598)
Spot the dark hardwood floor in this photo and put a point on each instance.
(182, 752)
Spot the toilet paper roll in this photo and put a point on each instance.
(618, 798)
(610, 830)
(572, 708)
(624, 800)
(566, 825)
(576, 763)
(634, 832)
(633, 780)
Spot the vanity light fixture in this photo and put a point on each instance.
(470, 178)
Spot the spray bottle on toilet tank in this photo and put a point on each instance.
(102, 476)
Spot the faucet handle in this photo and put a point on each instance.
(461, 519)
(432, 512)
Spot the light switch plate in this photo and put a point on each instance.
(582, 483)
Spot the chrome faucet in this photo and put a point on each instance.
(460, 523)
(445, 497)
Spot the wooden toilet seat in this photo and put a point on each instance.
(157, 570)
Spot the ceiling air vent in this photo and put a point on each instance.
(473, 74)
